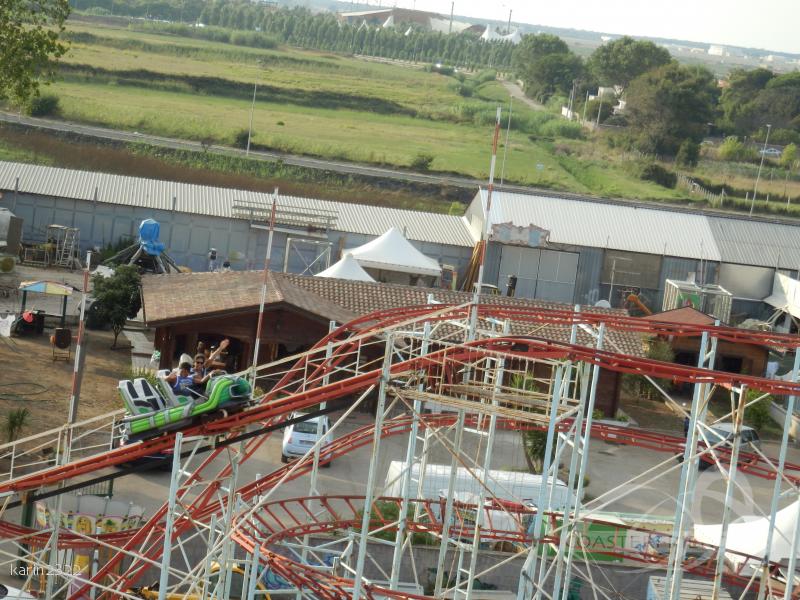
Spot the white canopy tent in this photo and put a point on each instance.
(750, 537)
(346, 268)
(785, 295)
(393, 252)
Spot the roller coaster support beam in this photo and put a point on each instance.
(527, 586)
(411, 453)
(738, 417)
(688, 472)
(776, 490)
(560, 441)
(583, 440)
(487, 465)
(166, 555)
(312, 487)
(373, 467)
(790, 571)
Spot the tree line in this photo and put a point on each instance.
(668, 106)
(321, 31)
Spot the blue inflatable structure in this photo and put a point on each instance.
(147, 253)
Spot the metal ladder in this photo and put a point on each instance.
(66, 252)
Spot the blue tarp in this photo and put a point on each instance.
(148, 237)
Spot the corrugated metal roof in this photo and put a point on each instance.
(630, 228)
(218, 202)
(757, 243)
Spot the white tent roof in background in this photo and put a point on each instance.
(750, 537)
(346, 268)
(393, 252)
(489, 34)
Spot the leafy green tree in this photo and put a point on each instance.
(735, 101)
(789, 156)
(117, 298)
(623, 60)
(732, 149)
(688, 154)
(546, 66)
(670, 104)
(29, 44)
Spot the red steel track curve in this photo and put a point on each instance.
(284, 400)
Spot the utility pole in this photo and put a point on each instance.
(452, 8)
(250, 128)
(585, 104)
(761, 164)
(599, 109)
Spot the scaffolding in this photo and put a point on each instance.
(485, 375)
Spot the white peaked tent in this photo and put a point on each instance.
(393, 252)
(346, 268)
(489, 34)
(750, 537)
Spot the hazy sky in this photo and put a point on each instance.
(768, 24)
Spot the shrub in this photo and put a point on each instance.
(141, 373)
(98, 11)
(562, 128)
(15, 421)
(422, 162)
(465, 90)
(117, 298)
(688, 154)
(658, 174)
(757, 415)
(43, 106)
(240, 138)
(734, 150)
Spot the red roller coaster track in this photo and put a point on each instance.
(302, 387)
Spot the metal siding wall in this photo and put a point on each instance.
(491, 266)
(189, 237)
(587, 282)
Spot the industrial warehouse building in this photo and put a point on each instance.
(561, 249)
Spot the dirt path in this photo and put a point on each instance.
(29, 378)
(517, 93)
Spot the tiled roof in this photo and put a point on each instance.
(340, 300)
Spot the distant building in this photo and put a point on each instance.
(396, 17)
(715, 50)
(490, 34)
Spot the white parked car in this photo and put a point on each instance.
(770, 152)
(724, 431)
(300, 437)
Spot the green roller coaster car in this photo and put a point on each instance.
(151, 412)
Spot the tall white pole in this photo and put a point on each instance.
(256, 346)
(252, 110)
(760, 165)
(505, 148)
(486, 227)
(776, 490)
(373, 467)
(411, 453)
(168, 526)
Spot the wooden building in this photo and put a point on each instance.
(190, 307)
(747, 359)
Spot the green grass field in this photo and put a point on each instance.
(324, 105)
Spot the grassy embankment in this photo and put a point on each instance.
(317, 104)
(329, 106)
